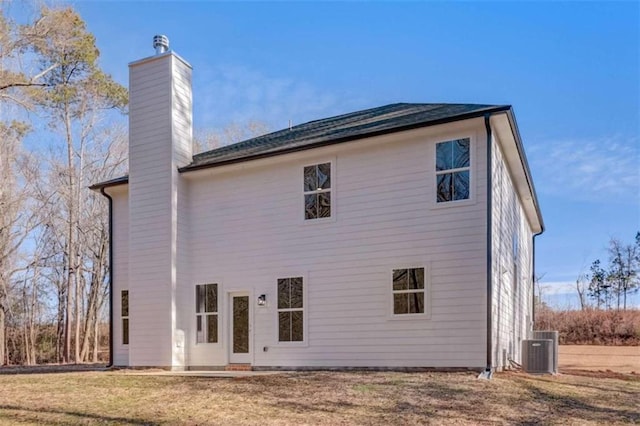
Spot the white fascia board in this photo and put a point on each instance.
(503, 124)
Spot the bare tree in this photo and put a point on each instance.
(15, 221)
(232, 133)
(582, 288)
(76, 94)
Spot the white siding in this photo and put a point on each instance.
(120, 279)
(246, 230)
(159, 142)
(511, 269)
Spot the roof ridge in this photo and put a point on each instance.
(328, 123)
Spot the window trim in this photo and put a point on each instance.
(305, 309)
(473, 141)
(333, 191)
(196, 314)
(123, 318)
(426, 265)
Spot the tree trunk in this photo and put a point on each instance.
(60, 323)
(96, 338)
(71, 253)
(94, 292)
(23, 329)
(32, 319)
(3, 337)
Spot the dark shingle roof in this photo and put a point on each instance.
(342, 128)
(327, 131)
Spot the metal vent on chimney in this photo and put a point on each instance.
(160, 43)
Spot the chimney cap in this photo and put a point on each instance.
(160, 43)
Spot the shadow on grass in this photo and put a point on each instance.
(319, 406)
(371, 399)
(78, 416)
(628, 377)
(577, 408)
(606, 389)
(49, 369)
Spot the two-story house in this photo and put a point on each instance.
(395, 237)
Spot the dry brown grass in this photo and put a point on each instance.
(313, 398)
(592, 326)
(620, 359)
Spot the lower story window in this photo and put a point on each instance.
(207, 313)
(124, 306)
(290, 310)
(408, 291)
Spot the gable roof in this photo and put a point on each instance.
(333, 130)
(358, 125)
(342, 128)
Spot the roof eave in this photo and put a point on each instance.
(538, 227)
(124, 180)
(460, 117)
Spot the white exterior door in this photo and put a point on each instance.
(240, 328)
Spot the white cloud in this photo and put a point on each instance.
(603, 170)
(236, 93)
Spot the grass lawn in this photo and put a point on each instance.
(319, 398)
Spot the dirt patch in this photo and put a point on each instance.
(617, 359)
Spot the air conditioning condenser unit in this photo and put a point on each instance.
(553, 335)
(537, 356)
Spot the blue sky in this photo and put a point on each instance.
(571, 71)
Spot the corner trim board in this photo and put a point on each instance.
(110, 200)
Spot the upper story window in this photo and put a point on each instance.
(207, 313)
(453, 167)
(408, 291)
(317, 191)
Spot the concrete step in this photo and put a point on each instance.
(238, 367)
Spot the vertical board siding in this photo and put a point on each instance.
(245, 230)
(511, 270)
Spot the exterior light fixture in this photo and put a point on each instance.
(262, 300)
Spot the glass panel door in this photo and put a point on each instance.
(240, 310)
(241, 325)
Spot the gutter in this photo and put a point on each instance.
(486, 374)
(533, 277)
(102, 191)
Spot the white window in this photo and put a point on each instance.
(290, 310)
(124, 313)
(453, 169)
(317, 191)
(207, 313)
(408, 291)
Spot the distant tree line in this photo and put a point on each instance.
(608, 285)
